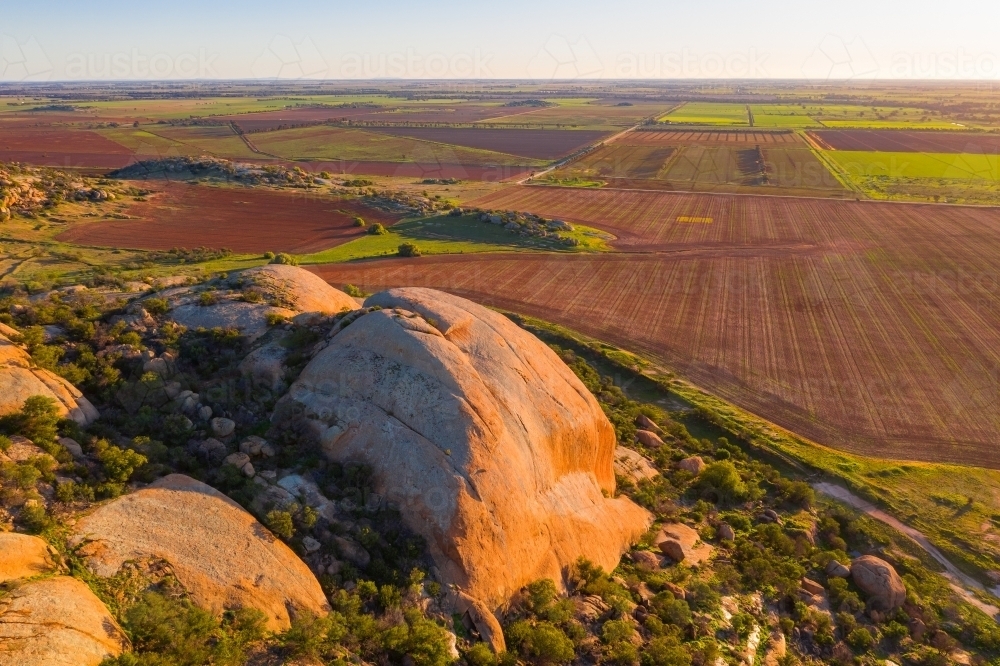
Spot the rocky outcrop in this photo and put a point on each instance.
(20, 379)
(297, 289)
(221, 555)
(648, 438)
(56, 622)
(23, 556)
(246, 300)
(879, 581)
(491, 447)
(633, 465)
(682, 544)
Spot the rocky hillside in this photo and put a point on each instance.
(276, 473)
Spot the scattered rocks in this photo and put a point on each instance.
(352, 551)
(633, 465)
(726, 532)
(879, 581)
(646, 559)
(644, 422)
(812, 587)
(648, 438)
(222, 427)
(219, 552)
(204, 412)
(682, 544)
(769, 516)
(694, 464)
(837, 570)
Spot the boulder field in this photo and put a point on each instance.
(221, 555)
(491, 447)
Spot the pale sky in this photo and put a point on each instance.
(50, 40)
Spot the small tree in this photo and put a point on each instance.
(285, 258)
(377, 229)
(409, 250)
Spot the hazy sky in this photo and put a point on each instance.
(53, 40)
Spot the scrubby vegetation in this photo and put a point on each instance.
(387, 608)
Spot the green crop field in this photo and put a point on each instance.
(940, 177)
(708, 113)
(455, 235)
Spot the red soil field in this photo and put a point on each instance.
(243, 220)
(62, 148)
(872, 327)
(675, 137)
(901, 141)
(538, 144)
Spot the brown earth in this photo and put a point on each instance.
(60, 147)
(872, 327)
(241, 219)
(902, 141)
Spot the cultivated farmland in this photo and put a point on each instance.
(536, 144)
(900, 141)
(706, 160)
(243, 220)
(866, 326)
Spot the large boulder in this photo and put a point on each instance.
(23, 556)
(20, 379)
(221, 555)
(56, 622)
(276, 289)
(879, 581)
(492, 448)
(297, 289)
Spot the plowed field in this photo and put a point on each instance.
(867, 326)
(897, 141)
(680, 137)
(61, 148)
(243, 220)
(538, 144)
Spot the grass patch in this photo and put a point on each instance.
(455, 235)
(708, 113)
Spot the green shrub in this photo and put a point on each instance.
(269, 255)
(275, 319)
(207, 298)
(721, 482)
(358, 182)
(118, 464)
(543, 643)
(284, 258)
(156, 306)
(616, 631)
(377, 229)
(666, 651)
(480, 654)
(280, 522)
(860, 640)
(418, 638)
(34, 518)
(351, 290)
(359, 222)
(671, 610)
(409, 250)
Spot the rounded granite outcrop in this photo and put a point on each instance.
(222, 556)
(23, 556)
(492, 448)
(56, 622)
(20, 379)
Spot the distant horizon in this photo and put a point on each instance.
(50, 40)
